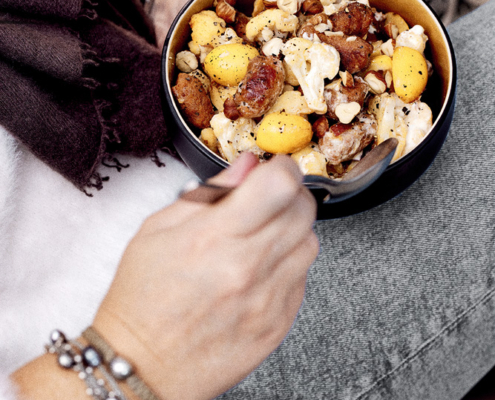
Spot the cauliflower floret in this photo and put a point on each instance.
(234, 137)
(312, 63)
(194, 48)
(259, 6)
(418, 118)
(267, 34)
(408, 123)
(205, 26)
(273, 19)
(197, 73)
(388, 48)
(199, 50)
(414, 38)
(383, 107)
(229, 36)
(273, 47)
(290, 78)
(311, 161)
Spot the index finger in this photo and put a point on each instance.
(267, 191)
(183, 210)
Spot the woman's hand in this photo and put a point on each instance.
(205, 293)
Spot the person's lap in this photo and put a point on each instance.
(400, 303)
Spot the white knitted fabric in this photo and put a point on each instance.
(59, 249)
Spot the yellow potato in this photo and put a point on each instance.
(410, 73)
(227, 64)
(281, 133)
(380, 63)
(205, 26)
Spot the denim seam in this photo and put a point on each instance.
(430, 342)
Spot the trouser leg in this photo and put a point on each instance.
(400, 303)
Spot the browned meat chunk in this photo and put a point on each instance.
(336, 94)
(261, 87)
(354, 52)
(241, 22)
(343, 141)
(353, 20)
(193, 101)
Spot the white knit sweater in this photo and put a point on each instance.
(59, 249)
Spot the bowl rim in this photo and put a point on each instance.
(191, 136)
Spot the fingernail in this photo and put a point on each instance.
(242, 165)
(245, 159)
(237, 171)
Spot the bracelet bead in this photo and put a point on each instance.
(91, 357)
(120, 368)
(65, 360)
(83, 361)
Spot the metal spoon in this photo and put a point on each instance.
(367, 171)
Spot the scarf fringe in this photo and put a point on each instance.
(95, 181)
(113, 162)
(88, 10)
(97, 78)
(171, 151)
(156, 159)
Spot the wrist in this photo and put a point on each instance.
(123, 387)
(43, 379)
(69, 369)
(126, 343)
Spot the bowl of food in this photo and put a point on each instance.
(324, 81)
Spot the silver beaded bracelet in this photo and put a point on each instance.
(83, 360)
(119, 367)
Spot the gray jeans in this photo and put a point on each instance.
(400, 303)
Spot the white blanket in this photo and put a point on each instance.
(59, 249)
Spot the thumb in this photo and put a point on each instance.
(237, 172)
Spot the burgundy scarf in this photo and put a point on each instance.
(80, 83)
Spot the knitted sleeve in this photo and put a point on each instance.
(7, 390)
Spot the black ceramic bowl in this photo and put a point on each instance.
(439, 95)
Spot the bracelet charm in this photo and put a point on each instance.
(83, 361)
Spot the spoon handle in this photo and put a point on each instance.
(204, 192)
(363, 175)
